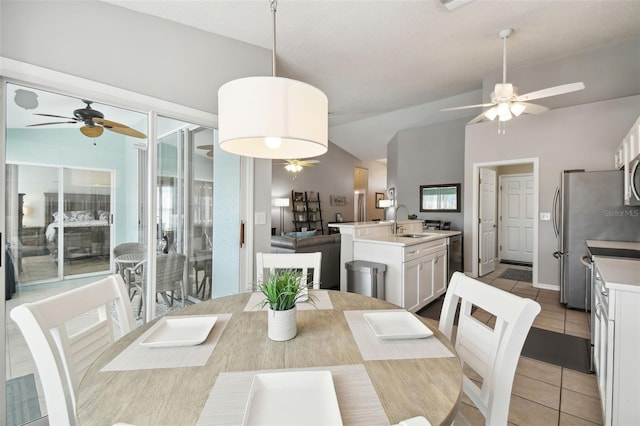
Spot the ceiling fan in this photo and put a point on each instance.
(296, 166)
(505, 101)
(94, 122)
(209, 149)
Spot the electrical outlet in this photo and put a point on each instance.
(545, 216)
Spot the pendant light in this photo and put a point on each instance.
(272, 117)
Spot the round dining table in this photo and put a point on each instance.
(414, 386)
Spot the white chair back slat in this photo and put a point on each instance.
(87, 346)
(60, 358)
(280, 261)
(492, 353)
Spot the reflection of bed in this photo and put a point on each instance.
(86, 219)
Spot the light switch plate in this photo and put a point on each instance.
(545, 216)
(260, 218)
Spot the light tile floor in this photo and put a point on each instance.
(545, 394)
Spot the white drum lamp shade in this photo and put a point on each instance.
(291, 115)
(281, 202)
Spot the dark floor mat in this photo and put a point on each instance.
(554, 348)
(433, 310)
(567, 351)
(516, 275)
(22, 400)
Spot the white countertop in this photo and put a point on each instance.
(398, 240)
(618, 273)
(367, 224)
(613, 244)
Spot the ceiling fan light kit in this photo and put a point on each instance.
(293, 168)
(505, 101)
(272, 117)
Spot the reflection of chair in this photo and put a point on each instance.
(62, 356)
(127, 248)
(169, 276)
(202, 261)
(492, 353)
(123, 254)
(297, 261)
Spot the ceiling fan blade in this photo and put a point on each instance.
(127, 131)
(209, 147)
(116, 127)
(210, 154)
(533, 108)
(75, 120)
(54, 122)
(478, 118)
(466, 107)
(108, 123)
(91, 131)
(551, 91)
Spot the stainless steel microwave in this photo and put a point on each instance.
(632, 192)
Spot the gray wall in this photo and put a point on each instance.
(579, 137)
(430, 155)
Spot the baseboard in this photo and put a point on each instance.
(517, 263)
(544, 286)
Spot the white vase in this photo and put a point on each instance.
(281, 325)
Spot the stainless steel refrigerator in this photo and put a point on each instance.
(588, 206)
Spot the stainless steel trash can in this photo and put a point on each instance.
(366, 278)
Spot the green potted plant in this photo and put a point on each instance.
(282, 290)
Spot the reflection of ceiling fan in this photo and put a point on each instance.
(209, 149)
(295, 166)
(94, 122)
(505, 101)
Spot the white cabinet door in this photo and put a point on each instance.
(411, 281)
(425, 279)
(440, 273)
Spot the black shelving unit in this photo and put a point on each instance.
(307, 213)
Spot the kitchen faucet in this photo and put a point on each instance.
(395, 217)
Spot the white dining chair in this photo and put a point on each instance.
(491, 353)
(63, 349)
(298, 261)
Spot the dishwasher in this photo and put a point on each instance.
(454, 255)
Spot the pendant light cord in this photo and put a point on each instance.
(274, 6)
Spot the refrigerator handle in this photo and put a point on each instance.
(556, 196)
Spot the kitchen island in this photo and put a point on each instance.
(416, 264)
(351, 230)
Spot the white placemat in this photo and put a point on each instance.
(373, 348)
(357, 398)
(322, 301)
(138, 357)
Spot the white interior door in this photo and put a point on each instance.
(516, 214)
(487, 222)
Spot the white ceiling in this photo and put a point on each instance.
(373, 58)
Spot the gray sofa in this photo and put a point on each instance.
(328, 245)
